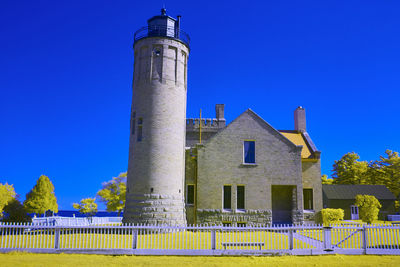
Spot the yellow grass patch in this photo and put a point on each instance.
(27, 259)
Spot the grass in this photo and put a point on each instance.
(27, 259)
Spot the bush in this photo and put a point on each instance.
(368, 208)
(330, 216)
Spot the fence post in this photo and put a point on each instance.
(365, 239)
(213, 239)
(135, 238)
(291, 239)
(328, 238)
(57, 238)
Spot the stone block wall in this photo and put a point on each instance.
(220, 162)
(156, 165)
(250, 217)
(311, 172)
(155, 209)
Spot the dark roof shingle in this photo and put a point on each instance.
(342, 191)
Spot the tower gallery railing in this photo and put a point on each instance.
(162, 31)
(201, 239)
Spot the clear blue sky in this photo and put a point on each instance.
(66, 74)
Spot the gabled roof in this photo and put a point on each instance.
(309, 150)
(342, 191)
(298, 139)
(261, 122)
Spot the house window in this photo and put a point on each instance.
(227, 197)
(140, 129)
(308, 198)
(190, 194)
(133, 123)
(226, 224)
(240, 197)
(249, 152)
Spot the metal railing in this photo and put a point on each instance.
(201, 239)
(162, 31)
(75, 221)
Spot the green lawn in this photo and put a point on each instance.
(26, 259)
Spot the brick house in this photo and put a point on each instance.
(248, 172)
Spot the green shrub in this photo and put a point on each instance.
(329, 216)
(368, 208)
(16, 212)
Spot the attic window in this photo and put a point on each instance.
(249, 151)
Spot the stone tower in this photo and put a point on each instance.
(156, 167)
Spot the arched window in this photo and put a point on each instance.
(133, 125)
(140, 130)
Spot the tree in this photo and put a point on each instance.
(368, 208)
(16, 212)
(348, 170)
(113, 193)
(7, 193)
(387, 170)
(86, 206)
(41, 198)
(326, 180)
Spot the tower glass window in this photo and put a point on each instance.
(308, 198)
(240, 197)
(227, 205)
(133, 126)
(249, 152)
(140, 130)
(190, 194)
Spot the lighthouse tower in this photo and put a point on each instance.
(155, 184)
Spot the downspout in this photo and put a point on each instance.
(195, 186)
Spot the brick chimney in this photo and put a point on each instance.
(300, 119)
(219, 114)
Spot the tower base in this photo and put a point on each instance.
(154, 209)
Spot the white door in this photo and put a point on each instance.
(354, 212)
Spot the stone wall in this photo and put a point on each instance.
(297, 216)
(312, 179)
(218, 216)
(309, 216)
(155, 209)
(220, 162)
(156, 163)
(209, 127)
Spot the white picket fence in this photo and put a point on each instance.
(76, 221)
(201, 239)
